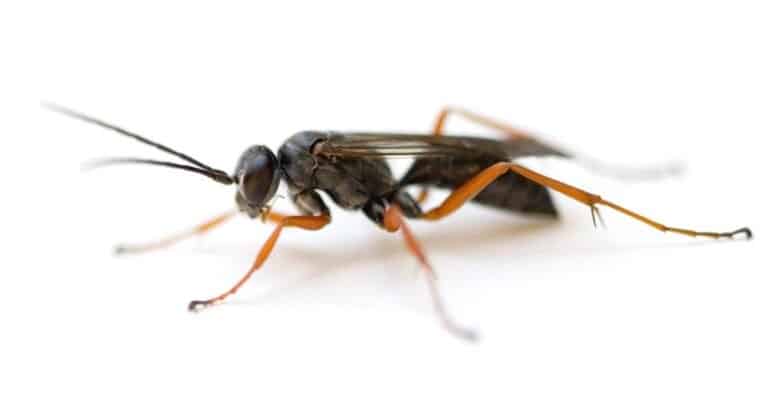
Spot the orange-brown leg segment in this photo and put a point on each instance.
(272, 217)
(168, 241)
(513, 133)
(439, 129)
(393, 221)
(510, 131)
(476, 184)
(303, 222)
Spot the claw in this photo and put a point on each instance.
(196, 306)
(463, 333)
(746, 231)
(122, 249)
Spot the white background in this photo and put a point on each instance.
(565, 311)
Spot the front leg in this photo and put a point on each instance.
(309, 202)
(172, 239)
(316, 217)
(303, 222)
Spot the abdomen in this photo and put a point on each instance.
(511, 191)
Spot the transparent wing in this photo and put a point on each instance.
(385, 145)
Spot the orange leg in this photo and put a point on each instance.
(476, 184)
(303, 222)
(393, 221)
(511, 132)
(168, 241)
(201, 229)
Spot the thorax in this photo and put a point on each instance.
(351, 182)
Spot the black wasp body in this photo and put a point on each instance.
(352, 169)
(312, 161)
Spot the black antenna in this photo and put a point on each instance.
(212, 174)
(215, 174)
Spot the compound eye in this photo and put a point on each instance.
(255, 186)
(257, 183)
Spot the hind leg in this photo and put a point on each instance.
(513, 133)
(477, 183)
(438, 129)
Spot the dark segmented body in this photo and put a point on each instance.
(351, 183)
(509, 192)
(351, 168)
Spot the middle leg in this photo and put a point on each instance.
(394, 221)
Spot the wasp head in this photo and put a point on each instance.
(257, 175)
